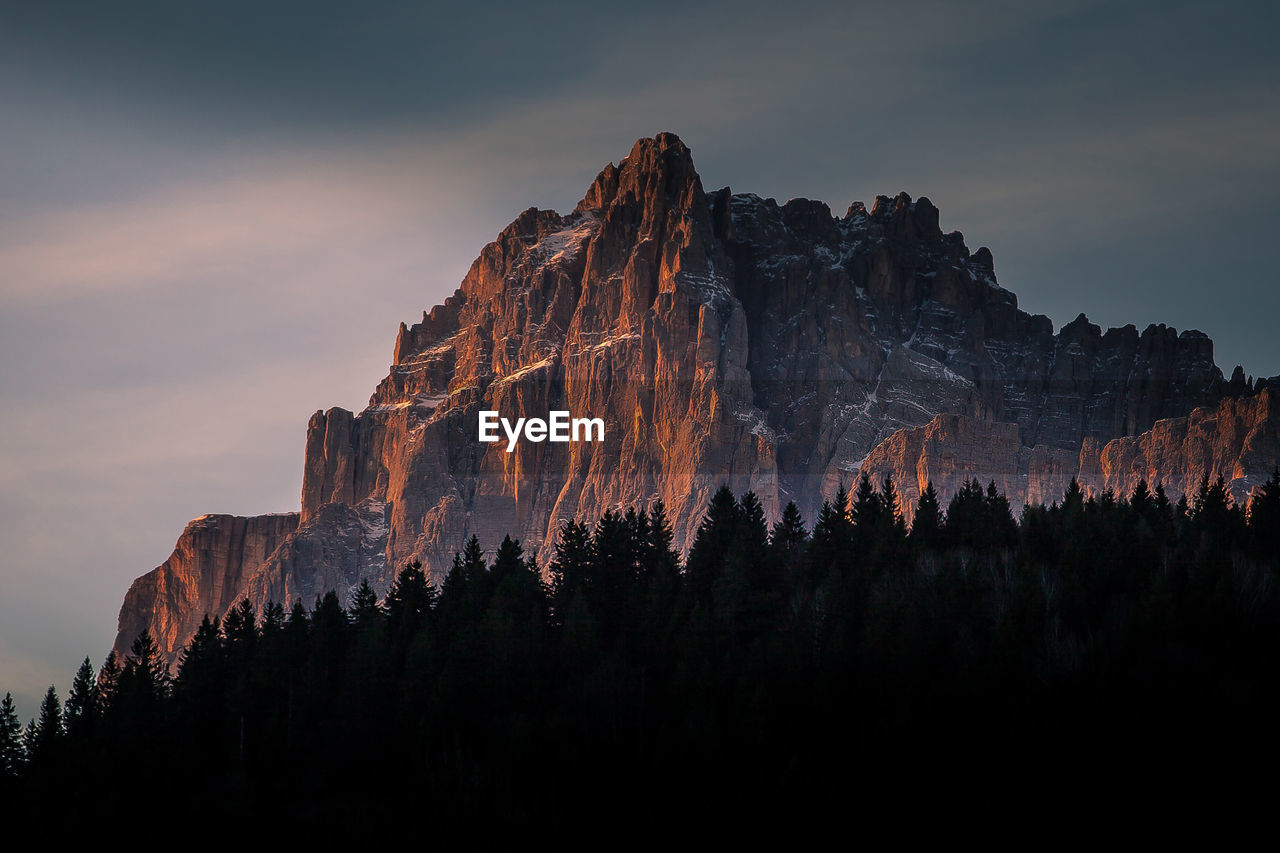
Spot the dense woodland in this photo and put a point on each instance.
(1102, 650)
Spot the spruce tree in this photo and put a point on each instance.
(295, 642)
(329, 621)
(518, 590)
(46, 745)
(82, 702)
(30, 734)
(749, 546)
(664, 560)
(966, 523)
(1264, 517)
(611, 547)
(831, 546)
(841, 506)
(240, 627)
(273, 619)
(891, 510)
(108, 682)
(509, 560)
(365, 611)
(749, 588)
(1163, 508)
(787, 539)
(570, 571)
(1001, 529)
(200, 666)
(1073, 499)
(867, 508)
(927, 524)
(150, 675)
(1181, 511)
(12, 750)
(711, 545)
(465, 591)
(641, 544)
(1141, 500)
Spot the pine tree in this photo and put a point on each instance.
(200, 664)
(1181, 510)
(711, 544)
(82, 702)
(329, 621)
(841, 506)
(509, 560)
(891, 509)
(12, 750)
(611, 547)
(365, 611)
(465, 592)
(329, 638)
(296, 638)
(1001, 529)
(1264, 517)
(867, 508)
(518, 590)
(149, 676)
(831, 546)
(1073, 500)
(473, 564)
(273, 620)
(46, 745)
(787, 540)
(30, 734)
(664, 560)
(967, 516)
(1161, 503)
(570, 571)
(108, 683)
(641, 545)
(240, 628)
(749, 588)
(752, 540)
(927, 524)
(1141, 500)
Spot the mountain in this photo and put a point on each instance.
(722, 338)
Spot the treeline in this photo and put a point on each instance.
(970, 656)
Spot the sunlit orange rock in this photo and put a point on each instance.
(723, 338)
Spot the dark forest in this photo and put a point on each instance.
(1098, 654)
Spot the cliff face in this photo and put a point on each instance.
(1239, 440)
(722, 338)
(205, 574)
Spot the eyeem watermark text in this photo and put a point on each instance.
(558, 427)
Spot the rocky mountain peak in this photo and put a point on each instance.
(658, 172)
(721, 338)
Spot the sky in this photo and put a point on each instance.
(213, 216)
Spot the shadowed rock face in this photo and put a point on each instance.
(723, 338)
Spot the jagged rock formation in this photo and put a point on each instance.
(1239, 440)
(205, 573)
(722, 338)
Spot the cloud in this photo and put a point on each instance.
(258, 218)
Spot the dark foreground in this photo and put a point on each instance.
(1099, 658)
